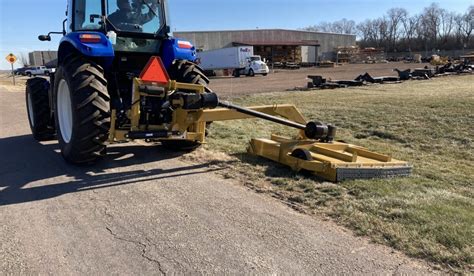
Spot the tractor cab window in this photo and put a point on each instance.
(87, 15)
(142, 16)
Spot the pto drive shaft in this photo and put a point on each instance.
(312, 130)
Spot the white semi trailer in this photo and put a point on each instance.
(309, 55)
(239, 59)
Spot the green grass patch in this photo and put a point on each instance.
(428, 123)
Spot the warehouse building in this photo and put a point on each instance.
(275, 45)
(46, 58)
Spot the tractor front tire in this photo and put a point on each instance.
(82, 109)
(39, 111)
(186, 72)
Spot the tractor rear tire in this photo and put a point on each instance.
(82, 109)
(38, 108)
(186, 72)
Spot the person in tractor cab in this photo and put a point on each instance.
(129, 16)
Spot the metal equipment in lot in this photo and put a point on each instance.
(121, 79)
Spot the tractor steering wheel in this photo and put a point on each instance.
(129, 27)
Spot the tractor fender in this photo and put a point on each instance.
(102, 51)
(175, 48)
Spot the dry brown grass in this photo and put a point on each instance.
(428, 123)
(6, 82)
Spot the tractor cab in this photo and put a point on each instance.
(130, 25)
(112, 31)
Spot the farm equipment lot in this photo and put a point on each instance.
(283, 80)
(148, 210)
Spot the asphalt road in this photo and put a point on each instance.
(143, 211)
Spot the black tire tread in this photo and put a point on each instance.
(43, 129)
(88, 87)
(187, 72)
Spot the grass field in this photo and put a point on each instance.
(428, 123)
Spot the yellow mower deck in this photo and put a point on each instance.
(332, 161)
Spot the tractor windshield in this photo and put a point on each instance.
(141, 16)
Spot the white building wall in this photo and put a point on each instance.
(221, 39)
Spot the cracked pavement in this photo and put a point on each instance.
(143, 211)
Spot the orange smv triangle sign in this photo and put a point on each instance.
(155, 72)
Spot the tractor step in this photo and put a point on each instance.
(332, 161)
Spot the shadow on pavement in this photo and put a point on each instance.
(24, 162)
(276, 170)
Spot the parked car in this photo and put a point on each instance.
(39, 70)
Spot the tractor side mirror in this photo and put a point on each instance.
(44, 37)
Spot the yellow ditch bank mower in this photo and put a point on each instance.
(176, 114)
(98, 96)
(312, 150)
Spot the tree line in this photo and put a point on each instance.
(397, 31)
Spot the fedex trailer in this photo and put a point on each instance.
(239, 59)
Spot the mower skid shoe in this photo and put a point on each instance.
(334, 162)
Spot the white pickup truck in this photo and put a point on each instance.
(39, 70)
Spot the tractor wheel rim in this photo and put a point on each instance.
(30, 109)
(64, 111)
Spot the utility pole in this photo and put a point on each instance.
(13, 75)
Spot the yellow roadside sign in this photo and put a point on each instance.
(11, 58)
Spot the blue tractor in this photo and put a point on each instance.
(121, 77)
(105, 45)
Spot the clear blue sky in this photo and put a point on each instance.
(22, 20)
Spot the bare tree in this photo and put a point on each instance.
(364, 30)
(383, 29)
(395, 18)
(325, 27)
(434, 28)
(431, 22)
(467, 25)
(344, 26)
(313, 28)
(447, 26)
(24, 60)
(410, 24)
